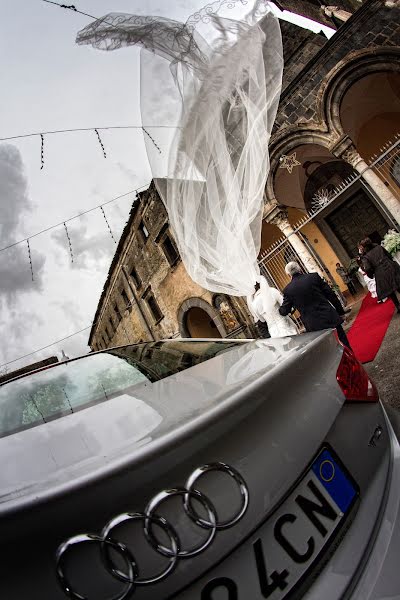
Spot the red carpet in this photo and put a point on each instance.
(369, 328)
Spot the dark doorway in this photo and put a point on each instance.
(200, 325)
(355, 219)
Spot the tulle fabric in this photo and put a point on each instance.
(213, 84)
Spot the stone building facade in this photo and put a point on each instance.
(336, 116)
(340, 105)
(149, 295)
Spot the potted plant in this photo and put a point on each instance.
(391, 243)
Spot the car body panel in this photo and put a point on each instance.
(263, 407)
(107, 436)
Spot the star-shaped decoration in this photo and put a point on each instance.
(322, 198)
(289, 162)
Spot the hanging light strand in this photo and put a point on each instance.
(101, 143)
(152, 139)
(69, 7)
(41, 151)
(108, 224)
(69, 242)
(75, 129)
(85, 212)
(30, 258)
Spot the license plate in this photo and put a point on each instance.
(283, 554)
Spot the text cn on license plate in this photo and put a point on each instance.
(282, 553)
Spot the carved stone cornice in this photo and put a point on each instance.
(352, 157)
(341, 145)
(345, 149)
(279, 216)
(336, 11)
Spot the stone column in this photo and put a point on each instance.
(350, 155)
(279, 217)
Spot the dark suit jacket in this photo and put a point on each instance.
(379, 264)
(317, 303)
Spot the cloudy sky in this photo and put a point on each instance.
(50, 83)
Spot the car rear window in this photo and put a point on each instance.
(66, 388)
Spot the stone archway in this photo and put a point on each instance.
(291, 188)
(199, 324)
(328, 130)
(306, 189)
(376, 120)
(287, 141)
(345, 74)
(197, 318)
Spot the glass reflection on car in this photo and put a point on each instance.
(63, 389)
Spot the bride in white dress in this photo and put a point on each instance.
(370, 283)
(264, 305)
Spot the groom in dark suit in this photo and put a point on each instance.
(317, 303)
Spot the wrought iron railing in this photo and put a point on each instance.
(273, 260)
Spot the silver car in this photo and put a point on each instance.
(200, 469)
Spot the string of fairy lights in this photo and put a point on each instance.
(77, 216)
(94, 129)
(135, 191)
(42, 135)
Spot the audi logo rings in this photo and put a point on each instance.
(173, 551)
(155, 503)
(192, 480)
(161, 522)
(85, 538)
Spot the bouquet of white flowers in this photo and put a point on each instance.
(391, 242)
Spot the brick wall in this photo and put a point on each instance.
(299, 47)
(372, 26)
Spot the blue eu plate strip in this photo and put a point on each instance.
(334, 480)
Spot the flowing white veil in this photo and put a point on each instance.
(213, 85)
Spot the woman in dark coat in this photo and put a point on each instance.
(378, 263)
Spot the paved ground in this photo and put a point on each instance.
(385, 369)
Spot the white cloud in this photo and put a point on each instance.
(91, 249)
(15, 272)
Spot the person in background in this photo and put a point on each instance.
(377, 262)
(264, 305)
(317, 303)
(369, 281)
(346, 278)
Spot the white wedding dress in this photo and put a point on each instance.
(370, 282)
(264, 306)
